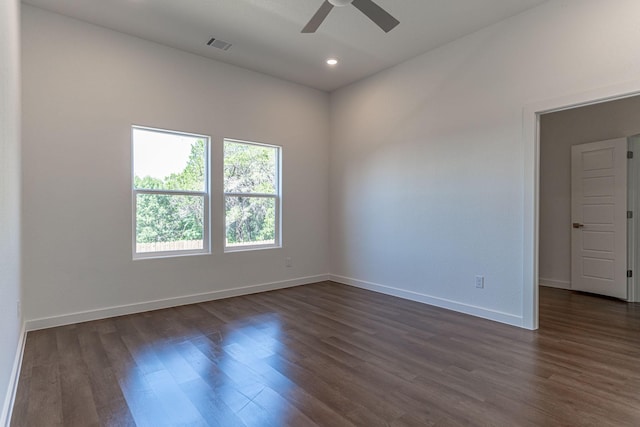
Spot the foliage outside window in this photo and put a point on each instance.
(252, 195)
(170, 191)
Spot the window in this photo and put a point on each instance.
(252, 195)
(170, 193)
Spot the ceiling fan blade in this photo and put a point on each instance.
(377, 14)
(318, 18)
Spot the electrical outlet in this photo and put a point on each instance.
(18, 309)
(287, 262)
(480, 282)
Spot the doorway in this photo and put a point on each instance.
(544, 201)
(560, 132)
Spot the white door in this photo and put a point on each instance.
(599, 217)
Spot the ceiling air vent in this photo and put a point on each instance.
(219, 44)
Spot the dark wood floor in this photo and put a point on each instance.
(332, 355)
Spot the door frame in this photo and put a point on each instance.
(531, 204)
(633, 226)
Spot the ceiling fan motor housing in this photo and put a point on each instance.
(340, 3)
(378, 15)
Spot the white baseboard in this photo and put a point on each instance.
(485, 313)
(103, 313)
(7, 407)
(551, 283)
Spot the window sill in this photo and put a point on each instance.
(230, 250)
(162, 255)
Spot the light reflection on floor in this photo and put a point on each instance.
(228, 367)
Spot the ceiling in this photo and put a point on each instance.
(265, 34)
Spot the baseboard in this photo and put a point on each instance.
(103, 313)
(494, 315)
(551, 283)
(7, 407)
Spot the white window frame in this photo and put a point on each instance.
(206, 238)
(277, 197)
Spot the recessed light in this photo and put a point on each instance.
(332, 61)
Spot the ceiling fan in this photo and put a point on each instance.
(374, 12)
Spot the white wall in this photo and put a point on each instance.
(558, 132)
(83, 88)
(427, 182)
(10, 323)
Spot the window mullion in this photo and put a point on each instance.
(170, 192)
(265, 195)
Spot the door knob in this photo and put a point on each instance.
(577, 225)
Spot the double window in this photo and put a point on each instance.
(171, 194)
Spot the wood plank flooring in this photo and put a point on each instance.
(332, 355)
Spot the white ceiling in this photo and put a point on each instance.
(266, 33)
